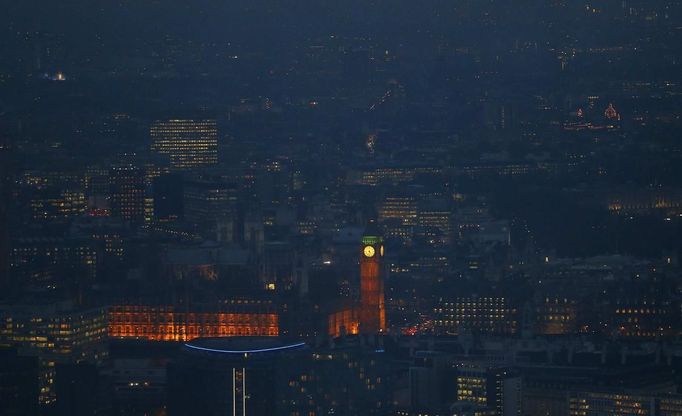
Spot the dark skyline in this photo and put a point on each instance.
(400, 208)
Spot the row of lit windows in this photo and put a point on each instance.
(640, 311)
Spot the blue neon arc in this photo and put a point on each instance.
(285, 347)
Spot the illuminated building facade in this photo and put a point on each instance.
(611, 112)
(126, 191)
(188, 143)
(639, 317)
(372, 308)
(112, 241)
(556, 316)
(66, 204)
(148, 209)
(434, 224)
(622, 402)
(41, 261)
(499, 169)
(345, 321)
(606, 403)
(55, 333)
(488, 387)
(231, 376)
(167, 323)
(472, 386)
(475, 314)
(368, 315)
(395, 229)
(629, 202)
(403, 208)
(391, 175)
(433, 263)
(385, 175)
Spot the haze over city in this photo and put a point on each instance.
(307, 208)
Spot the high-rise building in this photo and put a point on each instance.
(188, 143)
(496, 388)
(126, 189)
(55, 333)
(372, 308)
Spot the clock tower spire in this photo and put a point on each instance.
(372, 307)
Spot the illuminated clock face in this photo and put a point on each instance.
(369, 251)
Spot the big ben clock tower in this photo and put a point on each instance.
(372, 309)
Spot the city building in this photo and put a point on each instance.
(491, 387)
(207, 201)
(555, 315)
(478, 314)
(351, 376)
(618, 403)
(53, 262)
(400, 207)
(434, 223)
(168, 323)
(51, 205)
(366, 315)
(231, 376)
(54, 333)
(372, 303)
(187, 143)
(430, 379)
(168, 197)
(127, 194)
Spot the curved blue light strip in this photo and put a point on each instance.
(285, 347)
